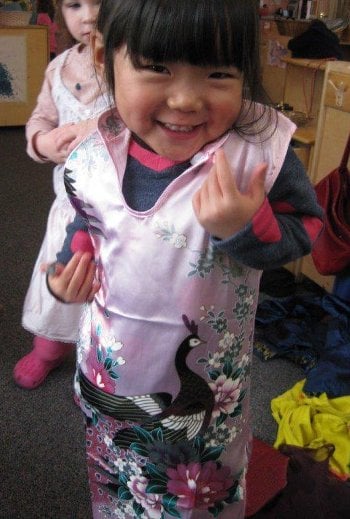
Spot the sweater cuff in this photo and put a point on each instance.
(265, 225)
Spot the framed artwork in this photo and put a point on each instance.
(13, 69)
(24, 56)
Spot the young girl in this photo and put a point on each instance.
(45, 10)
(188, 192)
(65, 113)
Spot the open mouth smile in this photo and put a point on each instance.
(180, 128)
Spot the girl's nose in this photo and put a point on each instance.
(185, 100)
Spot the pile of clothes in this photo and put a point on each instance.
(311, 329)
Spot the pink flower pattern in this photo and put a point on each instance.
(199, 486)
(99, 376)
(150, 502)
(227, 392)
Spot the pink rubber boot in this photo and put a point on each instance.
(46, 355)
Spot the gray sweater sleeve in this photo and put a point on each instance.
(286, 225)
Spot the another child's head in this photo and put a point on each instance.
(77, 18)
(148, 44)
(46, 6)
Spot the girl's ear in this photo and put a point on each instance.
(98, 52)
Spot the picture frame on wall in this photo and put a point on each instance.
(24, 55)
(13, 69)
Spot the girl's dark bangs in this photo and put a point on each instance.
(192, 36)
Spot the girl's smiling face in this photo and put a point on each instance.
(176, 108)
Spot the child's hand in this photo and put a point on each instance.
(54, 145)
(82, 129)
(75, 282)
(220, 207)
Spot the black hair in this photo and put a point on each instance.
(199, 32)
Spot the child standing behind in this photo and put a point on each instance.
(65, 113)
(46, 16)
(189, 191)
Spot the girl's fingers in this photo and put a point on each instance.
(73, 282)
(196, 203)
(219, 184)
(79, 283)
(206, 192)
(257, 181)
(224, 177)
(78, 259)
(211, 186)
(85, 289)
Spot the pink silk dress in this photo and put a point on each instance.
(165, 348)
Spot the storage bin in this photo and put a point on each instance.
(15, 18)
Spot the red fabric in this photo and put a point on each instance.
(266, 476)
(311, 490)
(331, 252)
(81, 241)
(282, 207)
(313, 226)
(265, 225)
(150, 159)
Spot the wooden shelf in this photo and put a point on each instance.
(317, 64)
(309, 86)
(303, 85)
(305, 135)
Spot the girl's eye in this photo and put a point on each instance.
(73, 5)
(221, 75)
(158, 69)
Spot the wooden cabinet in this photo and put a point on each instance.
(24, 55)
(320, 89)
(334, 119)
(303, 90)
(333, 127)
(297, 82)
(326, 133)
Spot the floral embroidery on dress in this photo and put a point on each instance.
(151, 469)
(158, 481)
(211, 258)
(102, 360)
(181, 451)
(158, 475)
(167, 232)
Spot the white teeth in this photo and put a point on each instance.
(176, 128)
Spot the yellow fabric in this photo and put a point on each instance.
(314, 421)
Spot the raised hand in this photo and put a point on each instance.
(75, 282)
(219, 205)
